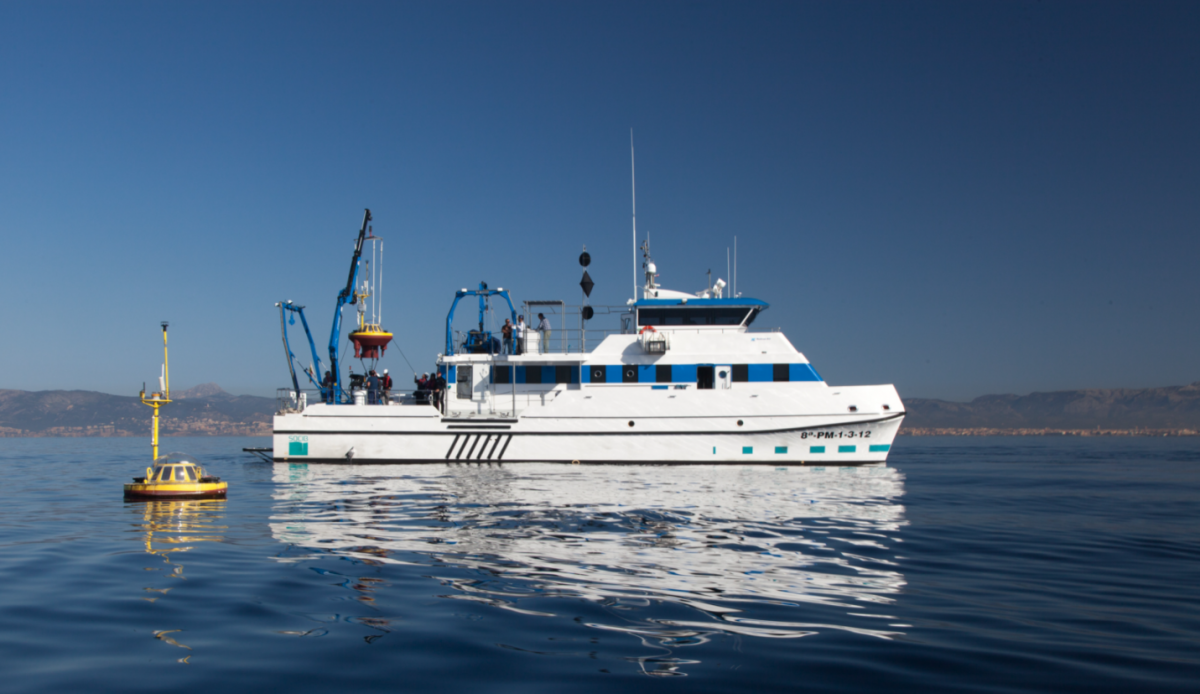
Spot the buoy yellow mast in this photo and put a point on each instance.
(158, 399)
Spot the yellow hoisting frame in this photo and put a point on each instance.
(157, 400)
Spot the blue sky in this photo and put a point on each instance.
(958, 198)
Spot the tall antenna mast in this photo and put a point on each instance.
(735, 291)
(633, 184)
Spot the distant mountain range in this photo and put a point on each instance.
(208, 410)
(1173, 407)
(203, 410)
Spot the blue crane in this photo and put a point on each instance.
(478, 341)
(332, 394)
(316, 365)
(345, 296)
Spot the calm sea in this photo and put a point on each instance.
(994, 565)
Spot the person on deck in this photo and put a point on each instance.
(422, 383)
(507, 332)
(544, 328)
(327, 384)
(519, 330)
(385, 382)
(373, 388)
(439, 390)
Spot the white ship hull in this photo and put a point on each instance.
(759, 425)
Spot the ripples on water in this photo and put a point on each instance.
(992, 565)
(716, 542)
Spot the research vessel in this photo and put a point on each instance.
(685, 379)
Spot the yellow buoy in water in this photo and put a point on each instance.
(174, 475)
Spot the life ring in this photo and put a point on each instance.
(648, 329)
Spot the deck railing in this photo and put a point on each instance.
(287, 401)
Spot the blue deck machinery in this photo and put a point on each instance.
(332, 394)
(478, 341)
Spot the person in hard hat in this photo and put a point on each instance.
(386, 383)
(422, 382)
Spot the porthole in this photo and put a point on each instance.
(722, 374)
(740, 422)
(631, 422)
(854, 408)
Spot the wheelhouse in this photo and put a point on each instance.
(697, 313)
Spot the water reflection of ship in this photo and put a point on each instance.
(168, 528)
(732, 543)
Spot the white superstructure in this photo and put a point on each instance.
(688, 382)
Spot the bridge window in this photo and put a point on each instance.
(700, 315)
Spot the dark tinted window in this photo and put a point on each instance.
(502, 374)
(701, 315)
(741, 373)
(598, 374)
(704, 377)
(533, 374)
(662, 373)
(629, 373)
(562, 374)
(779, 372)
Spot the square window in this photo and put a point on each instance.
(780, 372)
(662, 373)
(629, 373)
(741, 373)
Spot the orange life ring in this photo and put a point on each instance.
(647, 329)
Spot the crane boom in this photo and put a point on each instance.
(344, 297)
